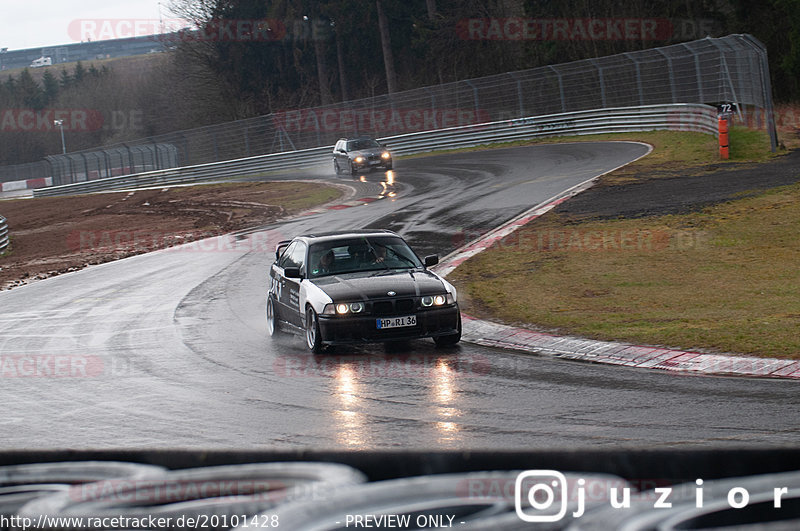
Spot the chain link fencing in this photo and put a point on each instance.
(709, 71)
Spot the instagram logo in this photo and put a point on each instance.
(541, 489)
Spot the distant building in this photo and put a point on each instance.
(85, 51)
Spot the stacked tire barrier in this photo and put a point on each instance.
(215, 497)
(307, 495)
(677, 117)
(3, 234)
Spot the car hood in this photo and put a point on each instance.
(377, 284)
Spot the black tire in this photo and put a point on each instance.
(313, 335)
(389, 166)
(452, 339)
(273, 326)
(353, 170)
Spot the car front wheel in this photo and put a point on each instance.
(313, 335)
(452, 339)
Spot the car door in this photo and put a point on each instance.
(339, 155)
(289, 288)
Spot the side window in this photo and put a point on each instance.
(285, 257)
(295, 255)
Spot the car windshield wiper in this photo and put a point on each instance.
(405, 259)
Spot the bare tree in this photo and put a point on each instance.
(340, 65)
(386, 44)
(431, 5)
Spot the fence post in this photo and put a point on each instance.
(560, 88)
(601, 81)
(638, 77)
(520, 100)
(474, 96)
(671, 74)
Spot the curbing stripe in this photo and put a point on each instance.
(613, 353)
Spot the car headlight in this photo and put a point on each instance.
(436, 300)
(343, 308)
(358, 160)
(386, 155)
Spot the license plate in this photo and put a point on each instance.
(374, 162)
(397, 322)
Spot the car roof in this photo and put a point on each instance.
(336, 235)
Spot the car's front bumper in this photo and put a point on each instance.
(370, 164)
(341, 330)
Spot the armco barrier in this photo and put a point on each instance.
(30, 184)
(3, 234)
(683, 117)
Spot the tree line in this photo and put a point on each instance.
(254, 57)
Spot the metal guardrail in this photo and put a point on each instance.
(685, 117)
(3, 234)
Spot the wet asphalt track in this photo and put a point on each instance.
(169, 349)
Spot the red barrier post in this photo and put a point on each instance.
(723, 138)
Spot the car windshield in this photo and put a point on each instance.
(351, 255)
(354, 145)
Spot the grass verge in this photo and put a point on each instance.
(724, 279)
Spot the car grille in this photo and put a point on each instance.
(393, 307)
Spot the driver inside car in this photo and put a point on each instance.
(326, 263)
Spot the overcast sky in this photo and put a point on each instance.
(38, 23)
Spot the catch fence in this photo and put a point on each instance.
(707, 71)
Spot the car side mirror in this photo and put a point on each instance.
(431, 260)
(280, 248)
(292, 272)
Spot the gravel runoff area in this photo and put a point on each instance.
(51, 236)
(676, 193)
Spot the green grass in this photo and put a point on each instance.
(725, 279)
